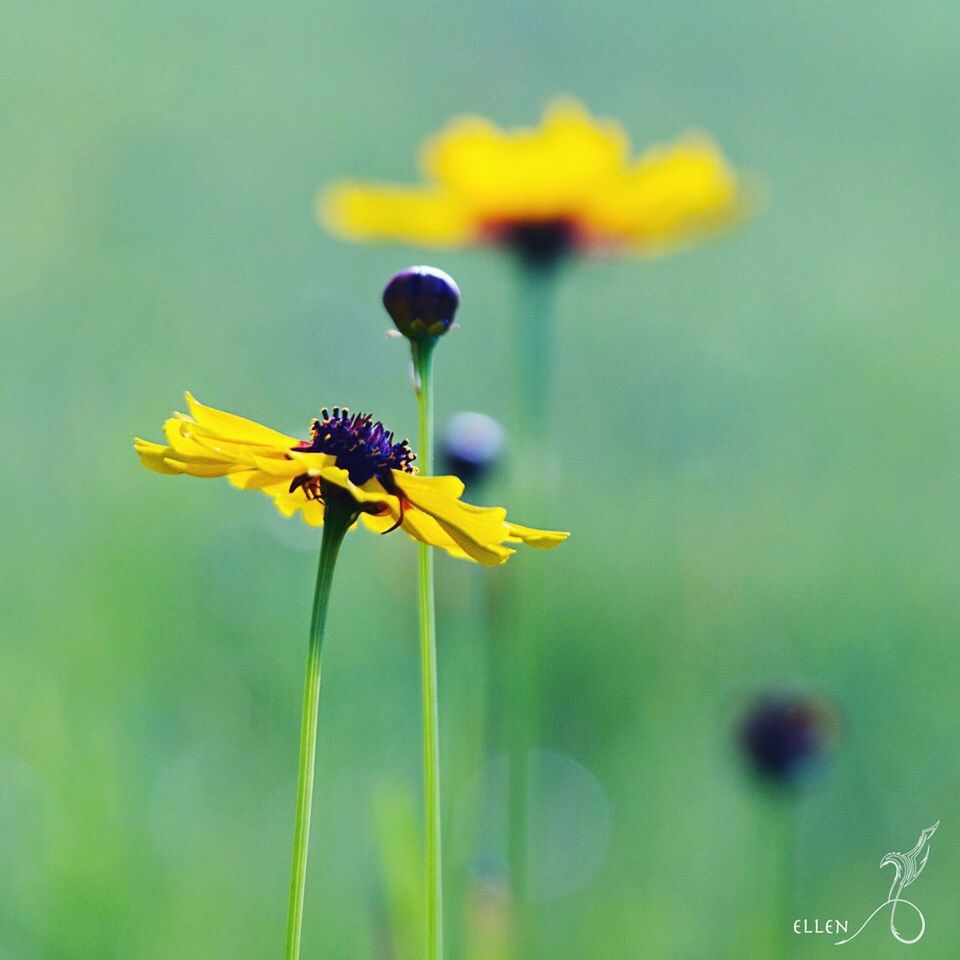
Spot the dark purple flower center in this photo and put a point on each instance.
(538, 243)
(363, 446)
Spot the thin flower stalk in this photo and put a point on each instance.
(338, 518)
(422, 302)
(433, 847)
(535, 485)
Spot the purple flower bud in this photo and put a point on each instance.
(472, 445)
(422, 302)
(783, 737)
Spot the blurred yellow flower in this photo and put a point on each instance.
(568, 185)
(351, 457)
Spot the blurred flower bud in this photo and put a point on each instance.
(783, 737)
(472, 446)
(422, 302)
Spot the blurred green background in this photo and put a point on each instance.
(761, 474)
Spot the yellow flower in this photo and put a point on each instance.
(568, 185)
(351, 457)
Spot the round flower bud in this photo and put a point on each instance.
(472, 445)
(783, 737)
(422, 302)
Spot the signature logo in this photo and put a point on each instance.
(906, 868)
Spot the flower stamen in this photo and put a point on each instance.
(310, 486)
(399, 522)
(363, 447)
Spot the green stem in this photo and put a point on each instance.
(785, 838)
(535, 486)
(423, 370)
(778, 839)
(536, 293)
(337, 520)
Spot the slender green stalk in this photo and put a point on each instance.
(423, 370)
(536, 293)
(778, 846)
(472, 663)
(337, 520)
(785, 841)
(535, 489)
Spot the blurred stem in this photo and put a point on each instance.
(338, 516)
(467, 693)
(535, 485)
(779, 842)
(423, 383)
(536, 295)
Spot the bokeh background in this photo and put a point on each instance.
(761, 476)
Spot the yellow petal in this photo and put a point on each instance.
(312, 513)
(167, 460)
(194, 441)
(672, 194)
(252, 479)
(154, 456)
(479, 531)
(229, 426)
(447, 486)
(377, 523)
(299, 461)
(196, 467)
(290, 503)
(379, 212)
(417, 526)
(176, 430)
(281, 466)
(422, 527)
(191, 443)
(542, 539)
(490, 554)
(528, 173)
(485, 523)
